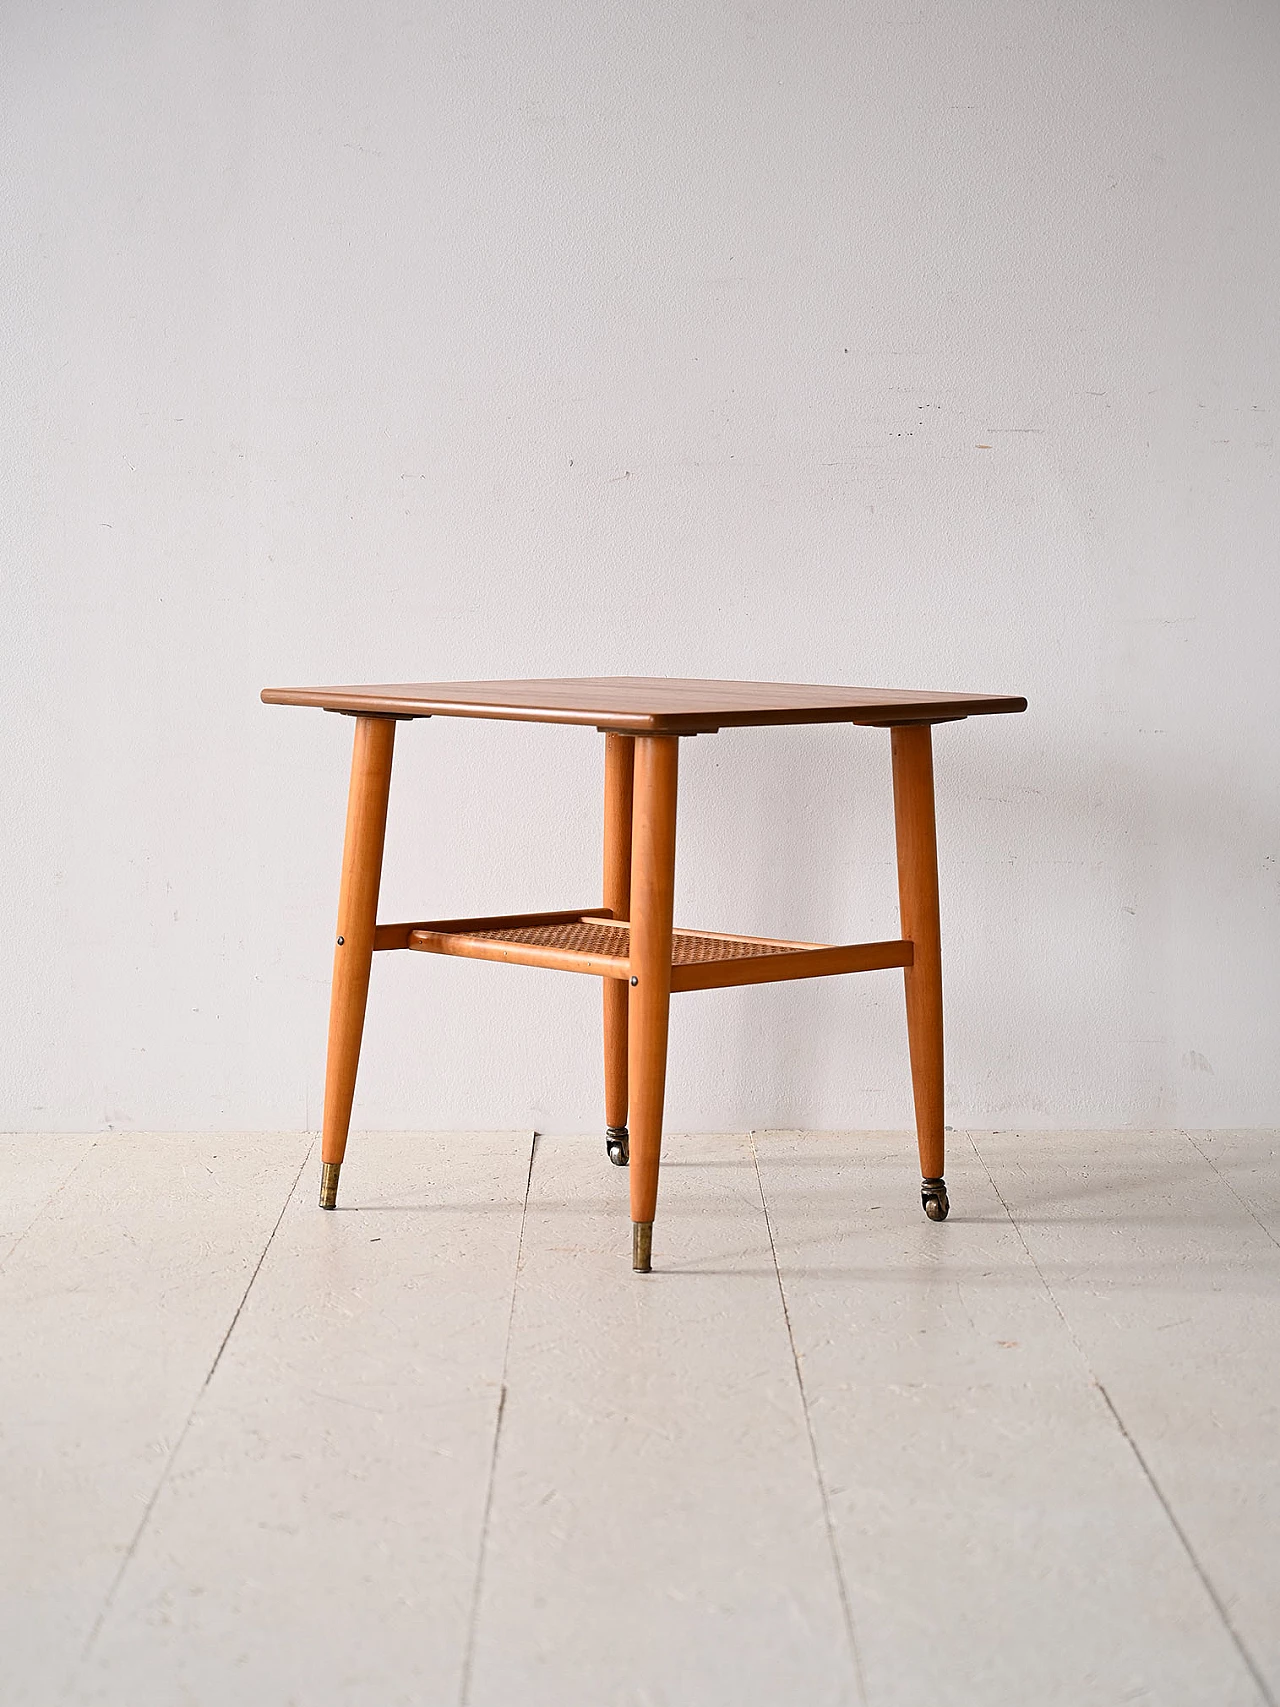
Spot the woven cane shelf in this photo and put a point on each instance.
(591, 941)
(595, 938)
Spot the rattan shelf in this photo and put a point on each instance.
(594, 942)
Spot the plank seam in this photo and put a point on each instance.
(468, 1657)
(841, 1585)
(1216, 1601)
(48, 1203)
(162, 1479)
(1242, 1201)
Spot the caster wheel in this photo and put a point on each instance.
(617, 1145)
(933, 1196)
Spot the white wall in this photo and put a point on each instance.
(396, 341)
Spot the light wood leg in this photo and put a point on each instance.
(918, 901)
(619, 769)
(653, 864)
(353, 952)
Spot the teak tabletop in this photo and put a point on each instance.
(629, 941)
(649, 705)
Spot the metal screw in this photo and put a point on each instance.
(341, 940)
(635, 980)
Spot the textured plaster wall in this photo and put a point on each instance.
(928, 344)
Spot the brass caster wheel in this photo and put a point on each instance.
(933, 1196)
(617, 1143)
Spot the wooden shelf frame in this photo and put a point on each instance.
(701, 960)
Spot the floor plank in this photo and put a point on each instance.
(1248, 1163)
(112, 1310)
(657, 1533)
(1159, 1263)
(34, 1166)
(1045, 1432)
(318, 1539)
(1000, 1543)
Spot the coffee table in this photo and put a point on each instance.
(628, 941)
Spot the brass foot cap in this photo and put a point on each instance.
(329, 1185)
(641, 1246)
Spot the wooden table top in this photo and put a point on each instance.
(650, 705)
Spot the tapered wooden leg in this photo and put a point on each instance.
(619, 768)
(918, 901)
(353, 952)
(653, 865)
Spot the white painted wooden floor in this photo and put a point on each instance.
(443, 1447)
